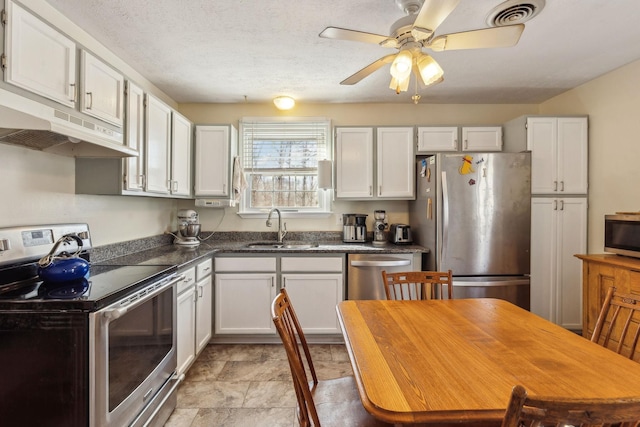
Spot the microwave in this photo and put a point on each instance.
(622, 234)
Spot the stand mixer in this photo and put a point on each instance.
(188, 229)
(379, 227)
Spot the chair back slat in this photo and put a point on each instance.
(412, 285)
(290, 331)
(618, 324)
(534, 411)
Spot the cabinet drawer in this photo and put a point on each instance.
(189, 279)
(311, 264)
(634, 282)
(204, 269)
(246, 264)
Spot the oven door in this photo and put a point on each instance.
(132, 353)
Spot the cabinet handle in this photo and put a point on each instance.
(90, 101)
(466, 144)
(273, 284)
(561, 205)
(561, 185)
(174, 186)
(73, 92)
(555, 205)
(200, 291)
(141, 180)
(371, 190)
(555, 185)
(380, 190)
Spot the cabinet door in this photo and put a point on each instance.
(204, 307)
(485, 138)
(134, 134)
(354, 163)
(544, 232)
(102, 90)
(437, 138)
(315, 297)
(558, 232)
(180, 156)
(395, 163)
(39, 58)
(158, 144)
(243, 303)
(542, 141)
(186, 327)
(572, 239)
(213, 160)
(572, 155)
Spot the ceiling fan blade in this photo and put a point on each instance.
(351, 35)
(369, 69)
(478, 39)
(430, 16)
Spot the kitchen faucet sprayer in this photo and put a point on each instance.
(281, 231)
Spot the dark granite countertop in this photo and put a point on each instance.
(169, 254)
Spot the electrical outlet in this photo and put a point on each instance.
(339, 219)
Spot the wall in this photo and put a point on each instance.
(342, 115)
(612, 103)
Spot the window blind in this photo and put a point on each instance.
(284, 146)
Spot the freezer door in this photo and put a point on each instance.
(485, 213)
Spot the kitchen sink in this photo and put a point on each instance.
(284, 245)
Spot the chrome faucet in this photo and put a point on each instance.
(282, 231)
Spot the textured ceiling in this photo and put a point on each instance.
(219, 51)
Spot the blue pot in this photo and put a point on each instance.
(64, 270)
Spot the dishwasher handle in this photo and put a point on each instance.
(381, 263)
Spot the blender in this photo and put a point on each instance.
(379, 227)
(188, 229)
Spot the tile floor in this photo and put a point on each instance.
(248, 385)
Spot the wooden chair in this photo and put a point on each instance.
(618, 324)
(529, 411)
(417, 285)
(325, 403)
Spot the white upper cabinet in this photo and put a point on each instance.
(437, 138)
(482, 138)
(39, 58)
(157, 145)
(559, 147)
(102, 90)
(181, 155)
(395, 163)
(354, 162)
(134, 138)
(214, 151)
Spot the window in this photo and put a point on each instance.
(280, 160)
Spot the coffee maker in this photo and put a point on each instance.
(379, 227)
(188, 229)
(354, 228)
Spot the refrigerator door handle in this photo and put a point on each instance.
(445, 217)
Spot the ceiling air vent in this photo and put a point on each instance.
(513, 12)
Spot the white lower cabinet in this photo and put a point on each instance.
(558, 232)
(244, 289)
(246, 286)
(194, 304)
(186, 320)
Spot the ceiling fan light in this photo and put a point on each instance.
(284, 102)
(401, 66)
(399, 85)
(429, 69)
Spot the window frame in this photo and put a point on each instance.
(324, 196)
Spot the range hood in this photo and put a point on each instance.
(34, 125)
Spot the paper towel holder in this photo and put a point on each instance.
(325, 174)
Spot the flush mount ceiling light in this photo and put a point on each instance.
(284, 102)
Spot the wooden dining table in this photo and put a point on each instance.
(456, 361)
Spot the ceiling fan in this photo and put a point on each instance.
(416, 31)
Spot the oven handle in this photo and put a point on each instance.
(129, 303)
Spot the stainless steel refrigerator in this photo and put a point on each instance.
(473, 211)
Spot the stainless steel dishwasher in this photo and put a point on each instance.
(364, 274)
